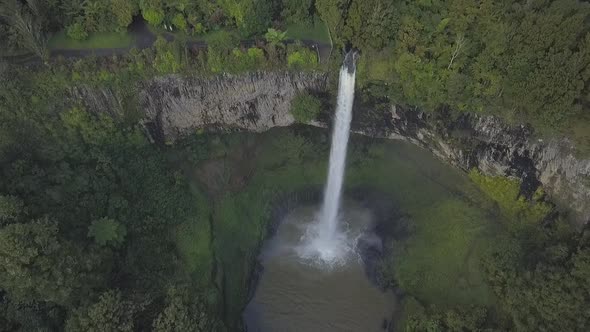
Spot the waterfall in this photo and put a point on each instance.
(325, 241)
(333, 190)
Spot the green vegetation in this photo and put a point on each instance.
(301, 58)
(63, 40)
(94, 221)
(506, 193)
(101, 230)
(314, 30)
(305, 107)
(476, 57)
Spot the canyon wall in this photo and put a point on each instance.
(173, 106)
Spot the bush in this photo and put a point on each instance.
(179, 22)
(167, 56)
(153, 16)
(506, 193)
(301, 57)
(77, 31)
(305, 107)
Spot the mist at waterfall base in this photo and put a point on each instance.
(327, 242)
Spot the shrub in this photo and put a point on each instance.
(77, 31)
(301, 58)
(106, 231)
(179, 22)
(167, 56)
(305, 107)
(506, 193)
(153, 16)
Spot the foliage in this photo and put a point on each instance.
(124, 10)
(107, 231)
(167, 56)
(300, 58)
(179, 22)
(152, 11)
(11, 208)
(275, 37)
(76, 31)
(183, 313)
(297, 11)
(370, 23)
(332, 12)
(305, 107)
(506, 193)
(36, 264)
(27, 22)
(94, 40)
(417, 318)
(110, 313)
(542, 283)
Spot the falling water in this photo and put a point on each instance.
(332, 193)
(327, 241)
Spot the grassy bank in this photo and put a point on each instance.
(94, 41)
(439, 263)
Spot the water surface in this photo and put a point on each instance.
(296, 293)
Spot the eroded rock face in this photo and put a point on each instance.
(254, 102)
(174, 106)
(495, 148)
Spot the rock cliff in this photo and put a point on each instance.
(495, 148)
(173, 106)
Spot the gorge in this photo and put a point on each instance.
(174, 107)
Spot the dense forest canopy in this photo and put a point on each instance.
(526, 60)
(101, 230)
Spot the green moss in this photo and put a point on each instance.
(94, 40)
(438, 263)
(193, 241)
(317, 31)
(506, 193)
(305, 107)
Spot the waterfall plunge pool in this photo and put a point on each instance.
(297, 292)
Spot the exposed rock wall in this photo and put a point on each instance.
(174, 106)
(495, 148)
(254, 102)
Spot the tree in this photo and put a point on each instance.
(257, 19)
(36, 264)
(332, 12)
(297, 11)
(11, 208)
(183, 313)
(77, 31)
(110, 313)
(152, 11)
(275, 37)
(180, 22)
(106, 231)
(305, 107)
(370, 23)
(28, 24)
(124, 10)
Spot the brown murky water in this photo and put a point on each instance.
(295, 294)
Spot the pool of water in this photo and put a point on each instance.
(296, 293)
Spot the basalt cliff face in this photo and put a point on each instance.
(254, 102)
(173, 106)
(495, 148)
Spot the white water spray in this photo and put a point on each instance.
(326, 241)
